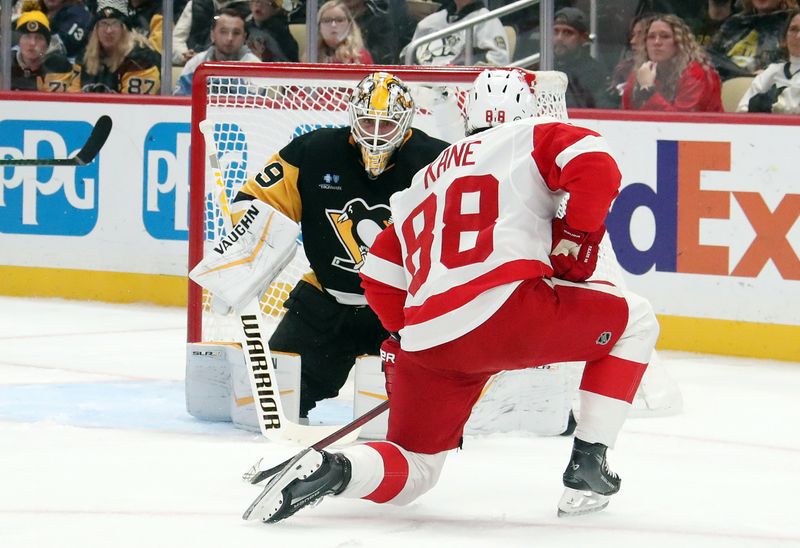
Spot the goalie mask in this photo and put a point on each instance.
(381, 110)
(500, 96)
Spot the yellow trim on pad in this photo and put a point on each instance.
(730, 338)
(93, 285)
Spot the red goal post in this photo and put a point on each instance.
(257, 108)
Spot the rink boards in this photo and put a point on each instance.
(705, 225)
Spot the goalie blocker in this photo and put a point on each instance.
(240, 266)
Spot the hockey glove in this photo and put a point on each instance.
(390, 348)
(574, 253)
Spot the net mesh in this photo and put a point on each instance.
(255, 114)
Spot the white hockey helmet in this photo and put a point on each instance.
(499, 96)
(381, 110)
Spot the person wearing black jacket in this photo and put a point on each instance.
(383, 34)
(268, 33)
(588, 78)
(750, 40)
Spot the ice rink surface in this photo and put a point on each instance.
(96, 450)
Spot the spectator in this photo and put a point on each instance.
(69, 24)
(118, 59)
(622, 71)
(750, 39)
(192, 32)
(777, 88)
(339, 36)
(716, 13)
(268, 33)
(228, 35)
(32, 68)
(488, 42)
(672, 73)
(381, 33)
(588, 78)
(147, 19)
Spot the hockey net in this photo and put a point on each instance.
(256, 109)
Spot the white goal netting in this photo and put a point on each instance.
(255, 110)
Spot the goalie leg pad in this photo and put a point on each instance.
(208, 380)
(370, 390)
(241, 265)
(536, 400)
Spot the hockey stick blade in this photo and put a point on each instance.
(97, 138)
(255, 475)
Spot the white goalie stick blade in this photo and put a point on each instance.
(579, 503)
(258, 472)
(272, 420)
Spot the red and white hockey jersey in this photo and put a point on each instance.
(476, 222)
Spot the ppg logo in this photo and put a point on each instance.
(47, 200)
(166, 181)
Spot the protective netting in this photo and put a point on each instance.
(255, 115)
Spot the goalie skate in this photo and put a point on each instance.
(587, 480)
(308, 477)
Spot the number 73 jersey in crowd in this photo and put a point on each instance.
(476, 222)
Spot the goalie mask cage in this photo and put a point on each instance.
(257, 108)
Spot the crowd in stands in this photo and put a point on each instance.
(666, 55)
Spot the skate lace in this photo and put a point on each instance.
(608, 471)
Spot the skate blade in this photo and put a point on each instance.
(254, 472)
(270, 500)
(579, 503)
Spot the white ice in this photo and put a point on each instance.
(96, 450)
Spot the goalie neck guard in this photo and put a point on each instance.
(380, 110)
(500, 96)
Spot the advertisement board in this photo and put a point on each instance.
(705, 225)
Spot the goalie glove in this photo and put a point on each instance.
(241, 265)
(390, 348)
(574, 253)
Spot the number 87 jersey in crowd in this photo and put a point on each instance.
(476, 222)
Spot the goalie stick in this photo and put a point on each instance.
(256, 475)
(97, 138)
(272, 420)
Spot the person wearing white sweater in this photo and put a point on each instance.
(777, 88)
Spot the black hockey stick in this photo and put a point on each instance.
(85, 155)
(254, 475)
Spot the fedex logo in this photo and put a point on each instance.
(165, 204)
(59, 200)
(678, 206)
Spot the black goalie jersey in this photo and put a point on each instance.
(319, 181)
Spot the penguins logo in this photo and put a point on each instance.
(357, 225)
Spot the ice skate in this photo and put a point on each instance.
(307, 478)
(588, 481)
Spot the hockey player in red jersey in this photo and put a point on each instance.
(477, 276)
